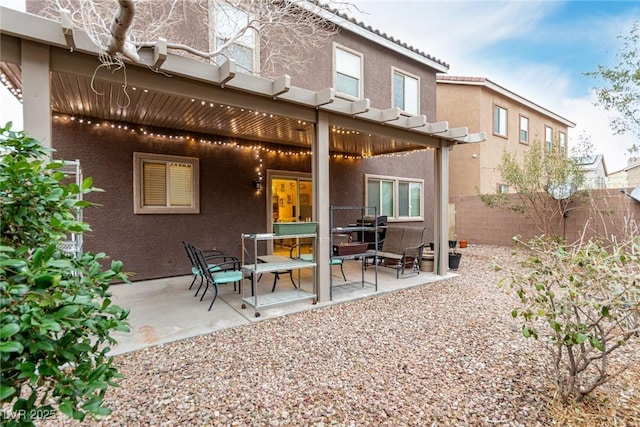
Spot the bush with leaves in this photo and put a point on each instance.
(584, 302)
(57, 316)
(544, 183)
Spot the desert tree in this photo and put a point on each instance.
(619, 86)
(545, 183)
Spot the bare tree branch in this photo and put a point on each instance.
(281, 33)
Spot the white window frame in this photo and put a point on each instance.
(502, 124)
(548, 139)
(249, 40)
(416, 96)
(359, 95)
(562, 141)
(396, 196)
(524, 129)
(138, 190)
(502, 188)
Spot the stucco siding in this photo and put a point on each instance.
(151, 245)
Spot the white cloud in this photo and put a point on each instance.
(469, 36)
(593, 122)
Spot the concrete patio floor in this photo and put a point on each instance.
(165, 310)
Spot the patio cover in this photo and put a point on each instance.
(56, 68)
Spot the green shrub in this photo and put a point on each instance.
(57, 315)
(584, 302)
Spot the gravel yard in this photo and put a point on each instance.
(442, 354)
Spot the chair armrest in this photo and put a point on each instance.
(229, 263)
(417, 250)
(295, 247)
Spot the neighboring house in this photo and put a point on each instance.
(627, 177)
(202, 153)
(512, 124)
(595, 172)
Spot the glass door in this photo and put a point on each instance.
(291, 201)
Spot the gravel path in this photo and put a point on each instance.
(442, 354)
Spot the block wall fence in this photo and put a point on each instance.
(479, 224)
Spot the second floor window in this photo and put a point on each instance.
(405, 92)
(502, 189)
(524, 130)
(562, 139)
(229, 22)
(548, 139)
(348, 72)
(499, 121)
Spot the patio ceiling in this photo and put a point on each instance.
(173, 92)
(80, 97)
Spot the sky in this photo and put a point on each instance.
(537, 49)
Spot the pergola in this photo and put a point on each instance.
(56, 67)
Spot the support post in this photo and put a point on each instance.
(441, 225)
(320, 177)
(36, 92)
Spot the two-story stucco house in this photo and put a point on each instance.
(595, 171)
(512, 123)
(202, 152)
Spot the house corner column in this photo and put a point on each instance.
(320, 176)
(441, 226)
(36, 92)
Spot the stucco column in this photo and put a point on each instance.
(320, 177)
(36, 91)
(441, 223)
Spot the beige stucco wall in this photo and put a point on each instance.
(479, 224)
(472, 106)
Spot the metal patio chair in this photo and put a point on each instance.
(230, 271)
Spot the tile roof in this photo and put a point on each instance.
(378, 32)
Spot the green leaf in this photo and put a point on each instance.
(47, 280)
(6, 392)
(580, 338)
(11, 347)
(59, 263)
(87, 183)
(9, 330)
(595, 343)
(66, 408)
(50, 325)
(67, 311)
(13, 263)
(41, 345)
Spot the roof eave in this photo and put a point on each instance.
(371, 36)
(512, 95)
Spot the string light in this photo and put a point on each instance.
(257, 148)
(6, 82)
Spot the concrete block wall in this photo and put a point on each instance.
(479, 224)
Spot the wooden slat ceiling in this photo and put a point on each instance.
(81, 97)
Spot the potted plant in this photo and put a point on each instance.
(454, 256)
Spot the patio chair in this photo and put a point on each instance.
(229, 272)
(210, 256)
(295, 254)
